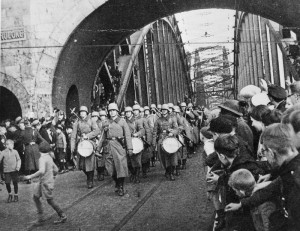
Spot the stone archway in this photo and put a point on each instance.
(90, 31)
(9, 105)
(18, 91)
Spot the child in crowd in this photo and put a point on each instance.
(11, 167)
(47, 172)
(61, 146)
(244, 185)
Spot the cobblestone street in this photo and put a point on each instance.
(154, 204)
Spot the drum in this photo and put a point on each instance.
(85, 148)
(170, 145)
(137, 144)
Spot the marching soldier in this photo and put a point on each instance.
(165, 126)
(152, 118)
(100, 162)
(117, 142)
(147, 139)
(85, 129)
(135, 124)
(186, 131)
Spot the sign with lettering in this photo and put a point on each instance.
(12, 35)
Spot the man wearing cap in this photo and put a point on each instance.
(231, 107)
(136, 127)
(85, 129)
(165, 126)
(277, 96)
(48, 132)
(44, 188)
(100, 162)
(117, 142)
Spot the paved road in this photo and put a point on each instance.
(154, 204)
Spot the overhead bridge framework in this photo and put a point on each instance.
(96, 36)
(80, 40)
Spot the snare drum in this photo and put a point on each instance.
(170, 145)
(85, 148)
(137, 144)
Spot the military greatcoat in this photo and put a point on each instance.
(90, 128)
(114, 149)
(162, 127)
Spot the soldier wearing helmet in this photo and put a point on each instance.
(165, 126)
(85, 129)
(136, 127)
(115, 143)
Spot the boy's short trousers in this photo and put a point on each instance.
(11, 177)
(44, 189)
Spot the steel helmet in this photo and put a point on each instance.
(171, 105)
(128, 109)
(159, 106)
(165, 107)
(141, 109)
(113, 106)
(183, 104)
(153, 105)
(102, 113)
(136, 107)
(146, 108)
(83, 108)
(176, 109)
(190, 105)
(95, 113)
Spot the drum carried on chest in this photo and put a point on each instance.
(85, 148)
(171, 145)
(137, 144)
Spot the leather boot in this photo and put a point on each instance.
(116, 183)
(183, 164)
(10, 198)
(172, 168)
(137, 176)
(100, 173)
(144, 170)
(121, 186)
(177, 172)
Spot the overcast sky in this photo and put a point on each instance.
(201, 28)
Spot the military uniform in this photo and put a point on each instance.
(117, 141)
(87, 164)
(148, 151)
(162, 127)
(136, 127)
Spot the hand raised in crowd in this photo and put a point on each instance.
(233, 207)
(212, 177)
(263, 178)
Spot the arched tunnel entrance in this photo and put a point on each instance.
(98, 34)
(9, 105)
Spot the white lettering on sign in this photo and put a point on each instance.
(12, 35)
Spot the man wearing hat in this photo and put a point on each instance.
(231, 107)
(165, 126)
(136, 127)
(48, 132)
(85, 129)
(117, 142)
(277, 96)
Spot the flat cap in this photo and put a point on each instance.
(277, 92)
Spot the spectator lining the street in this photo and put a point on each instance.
(11, 167)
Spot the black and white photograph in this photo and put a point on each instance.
(150, 115)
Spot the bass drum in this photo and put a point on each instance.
(85, 148)
(137, 144)
(170, 145)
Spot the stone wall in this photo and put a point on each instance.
(31, 62)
